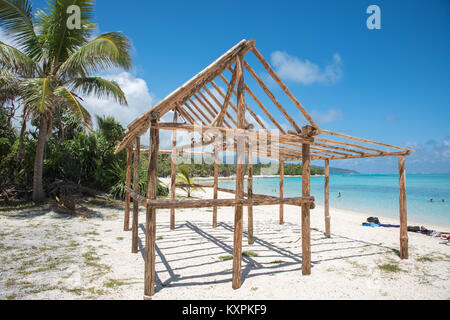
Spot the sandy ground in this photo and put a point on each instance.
(46, 255)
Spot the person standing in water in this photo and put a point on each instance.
(339, 195)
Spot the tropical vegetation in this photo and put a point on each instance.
(184, 178)
(45, 74)
(84, 158)
(50, 67)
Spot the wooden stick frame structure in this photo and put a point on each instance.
(250, 237)
(126, 222)
(198, 111)
(327, 200)
(135, 227)
(281, 192)
(150, 222)
(173, 172)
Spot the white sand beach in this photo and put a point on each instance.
(46, 255)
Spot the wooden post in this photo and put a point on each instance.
(173, 173)
(327, 199)
(240, 168)
(403, 211)
(126, 221)
(150, 224)
(135, 228)
(250, 196)
(281, 191)
(306, 232)
(216, 183)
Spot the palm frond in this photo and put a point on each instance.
(106, 51)
(17, 19)
(184, 175)
(7, 79)
(16, 61)
(59, 39)
(99, 87)
(74, 105)
(38, 94)
(9, 87)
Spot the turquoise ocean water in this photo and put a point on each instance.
(372, 194)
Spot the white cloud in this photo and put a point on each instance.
(433, 156)
(136, 90)
(329, 116)
(137, 93)
(432, 152)
(140, 100)
(304, 71)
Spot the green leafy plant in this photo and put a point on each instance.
(118, 189)
(51, 65)
(184, 178)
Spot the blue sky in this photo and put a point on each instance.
(390, 85)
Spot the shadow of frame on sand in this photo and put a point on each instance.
(251, 266)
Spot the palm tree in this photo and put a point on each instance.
(184, 177)
(111, 130)
(52, 65)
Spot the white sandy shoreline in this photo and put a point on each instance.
(45, 255)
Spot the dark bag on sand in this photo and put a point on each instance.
(373, 220)
(414, 229)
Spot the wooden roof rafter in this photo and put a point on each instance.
(194, 113)
(254, 116)
(271, 96)
(205, 117)
(186, 116)
(216, 103)
(223, 110)
(141, 124)
(275, 77)
(207, 106)
(259, 103)
(199, 106)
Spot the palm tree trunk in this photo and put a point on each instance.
(38, 189)
(21, 150)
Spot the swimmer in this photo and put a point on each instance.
(431, 200)
(339, 195)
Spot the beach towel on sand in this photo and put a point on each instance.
(371, 224)
(389, 226)
(375, 222)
